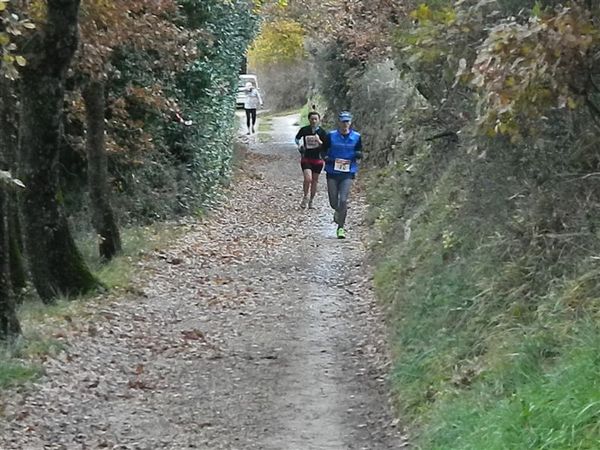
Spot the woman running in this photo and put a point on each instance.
(251, 103)
(311, 141)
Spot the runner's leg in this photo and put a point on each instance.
(248, 115)
(332, 191)
(253, 119)
(306, 186)
(313, 185)
(344, 192)
(316, 170)
(308, 178)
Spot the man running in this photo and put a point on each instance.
(344, 149)
(310, 140)
(251, 103)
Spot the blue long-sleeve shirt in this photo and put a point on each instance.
(343, 152)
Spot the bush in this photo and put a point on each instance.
(485, 257)
(161, 167)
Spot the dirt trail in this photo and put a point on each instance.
(257, 330)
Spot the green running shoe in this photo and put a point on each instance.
(341, 233)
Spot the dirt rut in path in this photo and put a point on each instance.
(257, 330)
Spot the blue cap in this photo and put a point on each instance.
(345, 116)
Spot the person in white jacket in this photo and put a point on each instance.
(251, 103)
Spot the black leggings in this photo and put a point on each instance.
(250, 117)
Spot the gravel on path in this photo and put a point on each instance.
(255, 330)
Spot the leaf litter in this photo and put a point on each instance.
(255, 330)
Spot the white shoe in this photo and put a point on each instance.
(304, 202)
(310, 204)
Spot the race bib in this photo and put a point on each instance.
(342, 165)
(311, 142)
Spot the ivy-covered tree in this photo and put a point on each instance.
(56, 264)
(9, 25)
(209, 85)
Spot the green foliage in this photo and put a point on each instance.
(170, 130)
(484, 232)
(423, 41)
(208, 87)
(425, 15)
(11, 27)
(280, 41)
(525, 70)
(304, 116)
(486, 265)
(443, 37)
(260, 3)
(278, 57)
(488, 325)
(335, 71)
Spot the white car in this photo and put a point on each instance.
(241, 93)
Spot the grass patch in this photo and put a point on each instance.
(32, 311)
(555, 409)
(279, 113)
(136, 241)
(265, 128)
(36, 346)
(265, 125)
(16, 369)
(15, 374)
(264, 138)
(492, 344)
(19, 361)
(117, 274)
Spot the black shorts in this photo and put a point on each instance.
(315, 165)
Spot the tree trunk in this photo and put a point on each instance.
(8, 141)
(102, 215)
(57, 267)
(9, 324)
(18, 274)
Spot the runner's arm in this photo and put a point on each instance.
(325, 146)
(298, 140)
(358, 151)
